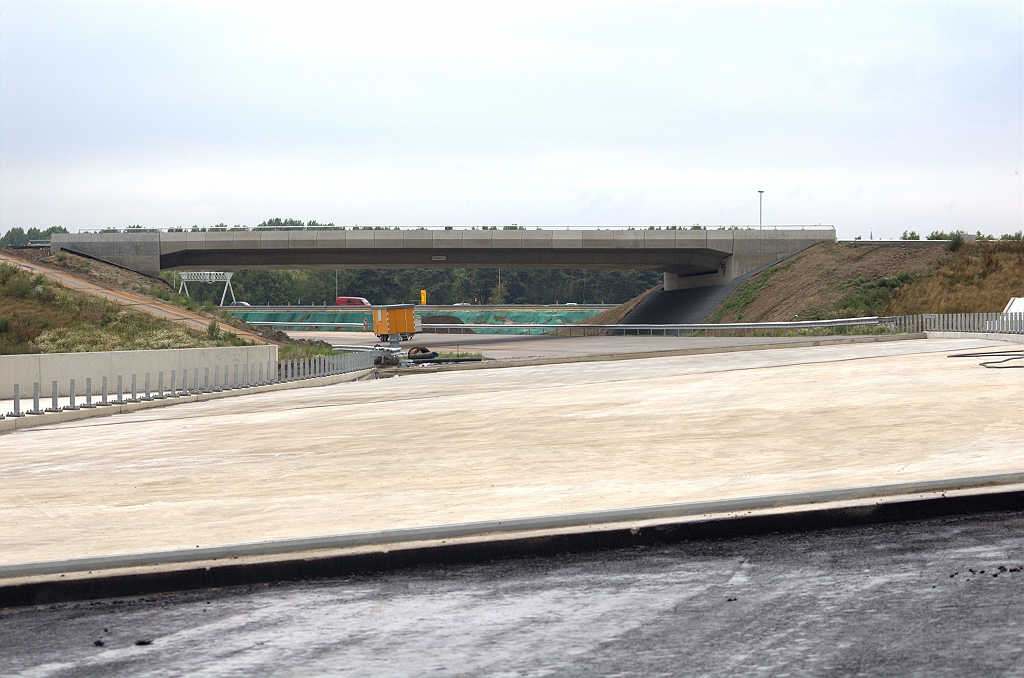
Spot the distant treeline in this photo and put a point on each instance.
(443, 286)
(942, 235)
(17, 237)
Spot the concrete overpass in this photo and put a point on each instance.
(688, 258)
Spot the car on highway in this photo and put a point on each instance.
(351, 301)
(239, 303)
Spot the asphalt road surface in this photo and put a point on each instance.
(942, 597)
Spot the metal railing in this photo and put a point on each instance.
(1003, 323)
(582, 329)
(869, 325)
(478, 227)
(995, 323)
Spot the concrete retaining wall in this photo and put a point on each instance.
(63, 367)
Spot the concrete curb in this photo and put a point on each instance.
(30, 421)
(605, 357)
(436, 532)
(111, 576)
(306, 566)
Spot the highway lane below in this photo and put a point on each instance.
(939, 597)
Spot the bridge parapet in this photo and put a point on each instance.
(688, 257)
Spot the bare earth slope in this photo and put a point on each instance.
(614, 316)
(830, 280)
(97, 280)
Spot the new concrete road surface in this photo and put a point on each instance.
(933, 598)
(454, 447)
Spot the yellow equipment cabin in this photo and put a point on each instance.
(393, 323)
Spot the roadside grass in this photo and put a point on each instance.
(38, 315)
(459, 354)
(978, 277)
(864, 297)
(303, 349)
(748, 292)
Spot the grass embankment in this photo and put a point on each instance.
(38, 315)
(122, 279)
(831, 280)
(979, 277)
(93, 338)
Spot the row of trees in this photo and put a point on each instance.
(17, 237)
(942, 235)
(444, 286)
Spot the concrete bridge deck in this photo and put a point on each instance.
(689, 258)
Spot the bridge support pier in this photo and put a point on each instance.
(674, 281)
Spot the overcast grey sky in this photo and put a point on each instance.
(873, 116)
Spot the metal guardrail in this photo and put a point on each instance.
(270, 323)
(479, 227)
(420, 308)
(999, 323)
(629, 329)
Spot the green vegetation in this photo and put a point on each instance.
(17, 237)
(459, 354)
(38, 315)
(748, 292)
(864, 297)
(444, 286)
(956, 241)
(1006, 237)
(303, 349)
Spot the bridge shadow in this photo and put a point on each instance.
(683, 306)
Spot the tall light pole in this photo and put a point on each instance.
(760, 208)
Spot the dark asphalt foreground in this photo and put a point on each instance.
(941, 597)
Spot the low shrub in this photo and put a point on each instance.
(18, 286)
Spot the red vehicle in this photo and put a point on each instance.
(351, 301)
